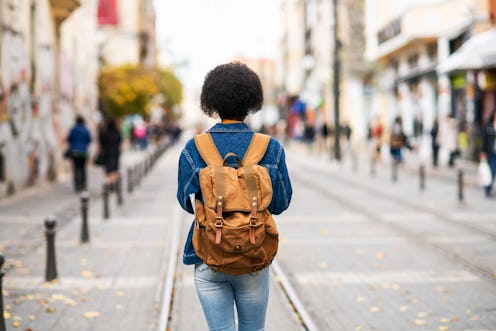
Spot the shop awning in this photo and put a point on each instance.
(479, 52)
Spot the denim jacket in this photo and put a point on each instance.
(234, 137)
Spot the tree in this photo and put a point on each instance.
(128, 89)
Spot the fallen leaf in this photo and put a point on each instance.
(419, 322)
(5, 293)
(358, 328)
(50, 310)
(443, 328)
(403, 308)
(6, 315)
(444, 320)
(91, 314)
(468, 311)
(31, 317)
(360, 299)
(380, 255)
(375, 309)
(474, 318)
(119, 293)
(422, 314)
(16, 324)
(455, 319)
(87, 274)
(324, 232)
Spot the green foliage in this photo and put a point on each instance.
(128, 89)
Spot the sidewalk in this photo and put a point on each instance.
(110, 283)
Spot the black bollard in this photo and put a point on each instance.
(118, 188)
(422, 177)
(2, 318)
(85, 234)
(129, 180)
(106, 212)
(372, 166)
(394, 171)
(460, 185)
(51, 264)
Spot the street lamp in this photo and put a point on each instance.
(336, 65)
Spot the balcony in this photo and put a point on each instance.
(63, 8)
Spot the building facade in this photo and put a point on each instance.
(47, 75)
(407, 42)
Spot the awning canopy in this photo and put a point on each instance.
(479, 52)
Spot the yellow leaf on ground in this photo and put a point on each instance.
(403, 308)
(422, 314)
(360, 299)
(16, 324)
(420, 322)
(444, 320)
(375, 309)
(324, 232)
(443, 328)
(91, 314)
(87, 273)
(380, 255)
(7, 315)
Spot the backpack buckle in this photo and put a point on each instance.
(218, 222)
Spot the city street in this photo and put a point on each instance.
(357, 252)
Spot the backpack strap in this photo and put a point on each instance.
(206, 147)
(257, 148)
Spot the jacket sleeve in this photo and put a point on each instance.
(187, 181)
(281, 185)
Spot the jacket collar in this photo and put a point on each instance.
(231, 127)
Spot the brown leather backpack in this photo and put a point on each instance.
(234, 232)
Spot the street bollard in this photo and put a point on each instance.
(51, 264)
(129, 180)
(460, 185)
(422, 177)
(106, 212)
(2, 318)
(394, 170)
(118, 189)
(354, 162)
(85, 234)
(372, 166)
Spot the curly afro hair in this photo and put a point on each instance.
(231, 91)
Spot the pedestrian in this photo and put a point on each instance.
(231, 91)
(449, 139)
(435, 142)
(489, 149)
(110, 143)
(376, 134)
(79, 138)
(397, 140)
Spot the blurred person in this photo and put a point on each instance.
(435, 142)
(489, 150)
(449, 139)
(140, 134)
(110, 143)
(79, 138)
(397, 140)
(376, 135)
(231, 91)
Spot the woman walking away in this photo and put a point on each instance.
(79, 138)
(231, 91)
(110, 144)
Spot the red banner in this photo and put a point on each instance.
(107, 12)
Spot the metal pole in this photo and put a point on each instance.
(51, 265)
(85, 235)
(106, 211)
(336, 75)
(394, 170)
(2, 318)
(422, 177)
(129, 180)
(460, 185)
(119, 190)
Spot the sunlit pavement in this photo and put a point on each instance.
(362, 252)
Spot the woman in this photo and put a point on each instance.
(231, 91)
(110, 142)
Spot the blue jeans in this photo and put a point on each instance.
(219, 291)
(492, 164)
